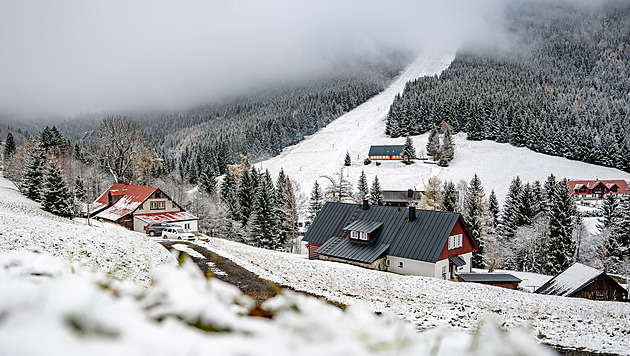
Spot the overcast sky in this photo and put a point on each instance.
(63, 57)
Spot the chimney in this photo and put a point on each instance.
(412, 213)
(409, 193)
(366, 205)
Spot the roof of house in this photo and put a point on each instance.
(132, 197)
(575, 185)
(401, 196)
(364, 226)
(421, 239)
(570, 281)
(166, 217)
(488, 277)
(386, 150)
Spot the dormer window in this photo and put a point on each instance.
(354, 234)
(363, 230)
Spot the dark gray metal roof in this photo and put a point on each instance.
(386, 150)
(364, 226)
(421, 239)
(488, 277)
(457, 261)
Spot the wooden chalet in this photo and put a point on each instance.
(503, 280)
(597, 189)
(402, 240)
(582, 281)
(135, 206)
(386, 152)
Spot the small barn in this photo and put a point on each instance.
(584, 282)
(402, 240)
(503, 280)
(386, 152)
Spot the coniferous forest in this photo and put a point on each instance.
(563, 88)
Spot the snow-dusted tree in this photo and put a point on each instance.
(9, 146)
(56, 197)
(292, 201)
(526, 251)
(316, 201)
(340, 189)
(509, 218)
(376, 193)
(229, 195)
(207, 180)
(433, 146)
(347, 161)
(608, 210)
(409, 152)
(473, 211)
(362, 185)
(280, 182)
(433, 194)
(580, 234)
(617, 245)
(265, 231)
(79, 189)
(447, 150)
(13, 167)
(246, 195)
(560, 248)
(449, 200)
(549, 187)
(493, 206)
(33, 176)
(526, 206)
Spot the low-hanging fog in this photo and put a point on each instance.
(69, 56)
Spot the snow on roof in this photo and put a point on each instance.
(132, 197)
(166, 217)
(590, 184)
(569, 281)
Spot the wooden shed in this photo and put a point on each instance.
(584, 282)
(503, 280)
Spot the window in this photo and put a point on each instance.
(363, 236)
(153, 205)
(354, 234)
(400, 264)
(161, 205)
(186, 226)
(455, 241)
(387, 262)
(158, 205)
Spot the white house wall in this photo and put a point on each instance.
(412, 267)
(138, 224)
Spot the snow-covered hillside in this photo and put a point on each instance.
(430, 302)
(496, 164)
(123, 253)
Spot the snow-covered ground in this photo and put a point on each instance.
(323, 153)
(429, 302)
(24, 226)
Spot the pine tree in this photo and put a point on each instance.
(247, 194)
(316, 201)
(493, 206)
(33, 175)
(473, 211)
(608, 210)
(229, 195)
(526, 206)
(9, 146)
(376, 194)
(347, 162)
(364, 190)
(560, 247)
(409, 152)
(617, 244)
(208, 179)
(449, 200)
(56, 198)
(79, 190)
(266, 231)
(433, 146)
(446, 151)
(509, 219)
(280, 183)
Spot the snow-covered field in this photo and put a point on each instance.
(104, 247)
(323, 153)
(429, 302)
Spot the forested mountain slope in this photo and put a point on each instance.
(562, 89)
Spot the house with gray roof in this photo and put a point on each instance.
(402, 240)
(582, 281)
(503, 280)
(402, 197)
(386, 152)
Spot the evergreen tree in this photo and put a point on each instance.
(449, 200)
(33, 174)
(280, 184)
(526, 206)
(316, 201)
(549, 187)
(493, 206)
(247, 194)
(9, 146)
(79, 190)
(229, 195)
(617, 244)
(608, 210)
(376, 194)
(560, 247)
(364, 190)
(347, 162)
(509, 218)
(446, 151)
(409, 152)
(208, 180)
(266, 232)
(433, 146)
(473, 212)
(56, 197)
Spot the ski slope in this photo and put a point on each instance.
(323, 153)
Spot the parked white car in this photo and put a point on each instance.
(177, 233)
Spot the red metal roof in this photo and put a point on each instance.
(132, 197)
(575, 185)
(166, 217)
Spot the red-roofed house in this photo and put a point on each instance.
(135, 206)
(596, 189)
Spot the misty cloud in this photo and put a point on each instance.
(68, 56)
